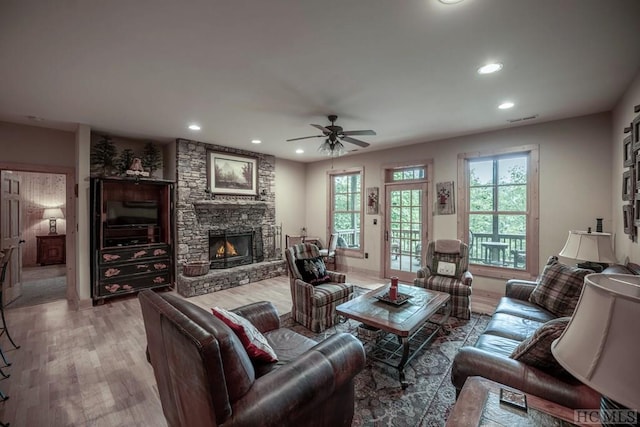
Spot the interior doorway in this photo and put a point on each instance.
(46, 205)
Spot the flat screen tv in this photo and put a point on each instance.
(131, 213)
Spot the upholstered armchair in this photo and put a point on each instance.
(446, 270)
(206, 377)
(315, 292)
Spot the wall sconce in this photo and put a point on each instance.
(52, 214)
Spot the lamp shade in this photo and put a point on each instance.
(600, 345)
(584, 246)
(52, 213)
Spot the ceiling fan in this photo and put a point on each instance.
(335, 134)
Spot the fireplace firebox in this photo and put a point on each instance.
(231, 248)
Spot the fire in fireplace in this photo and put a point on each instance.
(231, 248)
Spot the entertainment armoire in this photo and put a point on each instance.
(132, 236)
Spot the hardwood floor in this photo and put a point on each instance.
(80, 368)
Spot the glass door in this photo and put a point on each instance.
(405, 229)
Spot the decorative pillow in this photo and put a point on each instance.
(559, 288)
(253, 341)
(446, 268)
(536, 350)
(313, 270)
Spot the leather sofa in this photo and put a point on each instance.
(515, 319)
(205, 377)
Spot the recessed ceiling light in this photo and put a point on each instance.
(299, 151)
(490, 68)
(194, 126)
(256, 141)
(506, 105)
(450, 1)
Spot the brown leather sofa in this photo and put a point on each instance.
(515, 319)
(205, 377)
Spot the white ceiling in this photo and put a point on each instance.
(266, 69)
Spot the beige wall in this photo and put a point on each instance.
(291, 196)
(36, 145)
(574, 181)
(622, 116)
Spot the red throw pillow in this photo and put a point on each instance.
(253, 341)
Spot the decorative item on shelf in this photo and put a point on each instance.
(303, 232)
(52, 214)
(136, 168)
(151, 158)
(372, 200)
(444, 195)
(599, 225)
(103, 155)
(263, 195)
(125, 160)
(593, 248)
(600, 344)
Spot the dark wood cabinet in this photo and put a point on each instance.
(52, 249)
(132, 237)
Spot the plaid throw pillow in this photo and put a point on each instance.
(559, 288)
(536, 350)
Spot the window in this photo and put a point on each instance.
(346, 208)
(498, 208)
(411, 173)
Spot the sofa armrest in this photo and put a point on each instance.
(519, 289)
(471, 361)
(423, 272)
(337, 277)
(295, 388)
(263, 315)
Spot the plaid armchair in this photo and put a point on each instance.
(446, 270)
(314, 306)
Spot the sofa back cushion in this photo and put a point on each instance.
(559, 287)
(536, 350)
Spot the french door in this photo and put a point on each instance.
(405, 234)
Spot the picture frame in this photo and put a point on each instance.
(628, 184)
(627, 219)
(628, 151)
(232, 173)
(372, 200)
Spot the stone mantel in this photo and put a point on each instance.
(230, 204)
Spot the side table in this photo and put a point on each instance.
(479, 405)
(52, 249)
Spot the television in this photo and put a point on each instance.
(128, 213)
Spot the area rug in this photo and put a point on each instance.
(427, 401)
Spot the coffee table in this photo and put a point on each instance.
(405, 325)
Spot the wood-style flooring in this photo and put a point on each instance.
(88, 368)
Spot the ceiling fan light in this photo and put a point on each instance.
(338, 149)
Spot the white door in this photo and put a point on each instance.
(405, 229)
(11, 232)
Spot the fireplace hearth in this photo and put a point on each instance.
(231, 248)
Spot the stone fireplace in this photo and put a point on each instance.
(236, 233)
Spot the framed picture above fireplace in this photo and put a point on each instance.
(232, 174)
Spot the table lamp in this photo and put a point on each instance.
(600, 345)
(594, 248)
(52, 214)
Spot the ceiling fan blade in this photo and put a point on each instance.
(305, 137)
(355, 141)
(322, 128)
(359, 132)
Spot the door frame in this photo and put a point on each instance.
(428, 201)
(70, 200)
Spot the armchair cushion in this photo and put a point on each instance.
(253, 341)
(536, 349)
(313, 270)
(559, 287)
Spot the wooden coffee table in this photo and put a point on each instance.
(407, 323)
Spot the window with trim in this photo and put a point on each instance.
(499, 208)
(346, 209)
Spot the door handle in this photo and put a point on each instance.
(21, 241)
(386, 235)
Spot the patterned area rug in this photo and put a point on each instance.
(427, 401)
